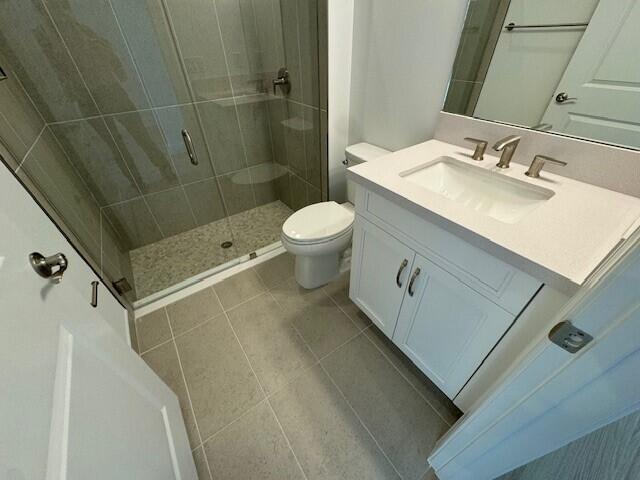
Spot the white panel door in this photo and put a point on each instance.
(603, 78)
(527, 64)
(445, 327)
(379, 273)
(76, 402)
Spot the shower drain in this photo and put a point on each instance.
(226, 244)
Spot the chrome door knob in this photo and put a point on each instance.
(563, 97)
(52, 267)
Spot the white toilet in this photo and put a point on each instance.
(318, 234)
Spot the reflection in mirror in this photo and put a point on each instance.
(564, 66)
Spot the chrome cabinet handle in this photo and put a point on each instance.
(413, 279)
(44, 266)
(189, 146)
(403, 265)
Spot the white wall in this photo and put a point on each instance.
(403, 52)
(340, 26)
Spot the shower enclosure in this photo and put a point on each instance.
(170, 138)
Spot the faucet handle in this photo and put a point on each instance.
(481, 147)
(539, 162)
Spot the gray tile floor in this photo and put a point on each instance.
(277, 382)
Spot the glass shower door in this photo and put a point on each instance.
(153, 130)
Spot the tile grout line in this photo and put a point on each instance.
(188, 330)
(235, 103)
(264, 393)
(368, 327)
(342, 310)
(267, 396)
(81, 223)
(194, 103)
(232, 422)
(361, 332)
(28, 152)
(184, 378)
(15, 132)
(73, 60)
(33, 104)
(100, 114)
(153, 112)
(406, 379)
(361, 421)
(166, 107)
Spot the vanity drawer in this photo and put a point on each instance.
(498, 281)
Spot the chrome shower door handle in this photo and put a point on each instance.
(188, 144)
(44, 266)
(403, 265)
(413, 280)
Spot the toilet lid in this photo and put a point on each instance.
(317, 222)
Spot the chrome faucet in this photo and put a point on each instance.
(508, 147)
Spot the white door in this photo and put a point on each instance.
(76, 402)
(445, 327)
(379, 274)
(602, 80)
(527, 64)
(552, 397)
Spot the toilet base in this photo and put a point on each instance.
(315, 271)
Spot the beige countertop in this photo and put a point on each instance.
(561, 242)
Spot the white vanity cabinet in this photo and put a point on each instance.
(445, 327)
(442, 301)
(384, 266)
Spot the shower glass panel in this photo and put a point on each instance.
(155, 131)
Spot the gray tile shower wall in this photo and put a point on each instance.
(99, 92)
(138, 73)
(297, 122)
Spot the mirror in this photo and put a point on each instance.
(565, 66)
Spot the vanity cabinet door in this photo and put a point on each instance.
(445, 327)
(379, 274)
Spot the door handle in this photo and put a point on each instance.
(563, 97)
(403, 265)
(188, 144)
(44, 266)
(413, 279)
(94, 294)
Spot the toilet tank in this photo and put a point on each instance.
(357, 154)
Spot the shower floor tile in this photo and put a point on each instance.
(169, 261)
(274, 405)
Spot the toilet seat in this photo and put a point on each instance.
(318, 223)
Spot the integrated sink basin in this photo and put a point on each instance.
(492, 194)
